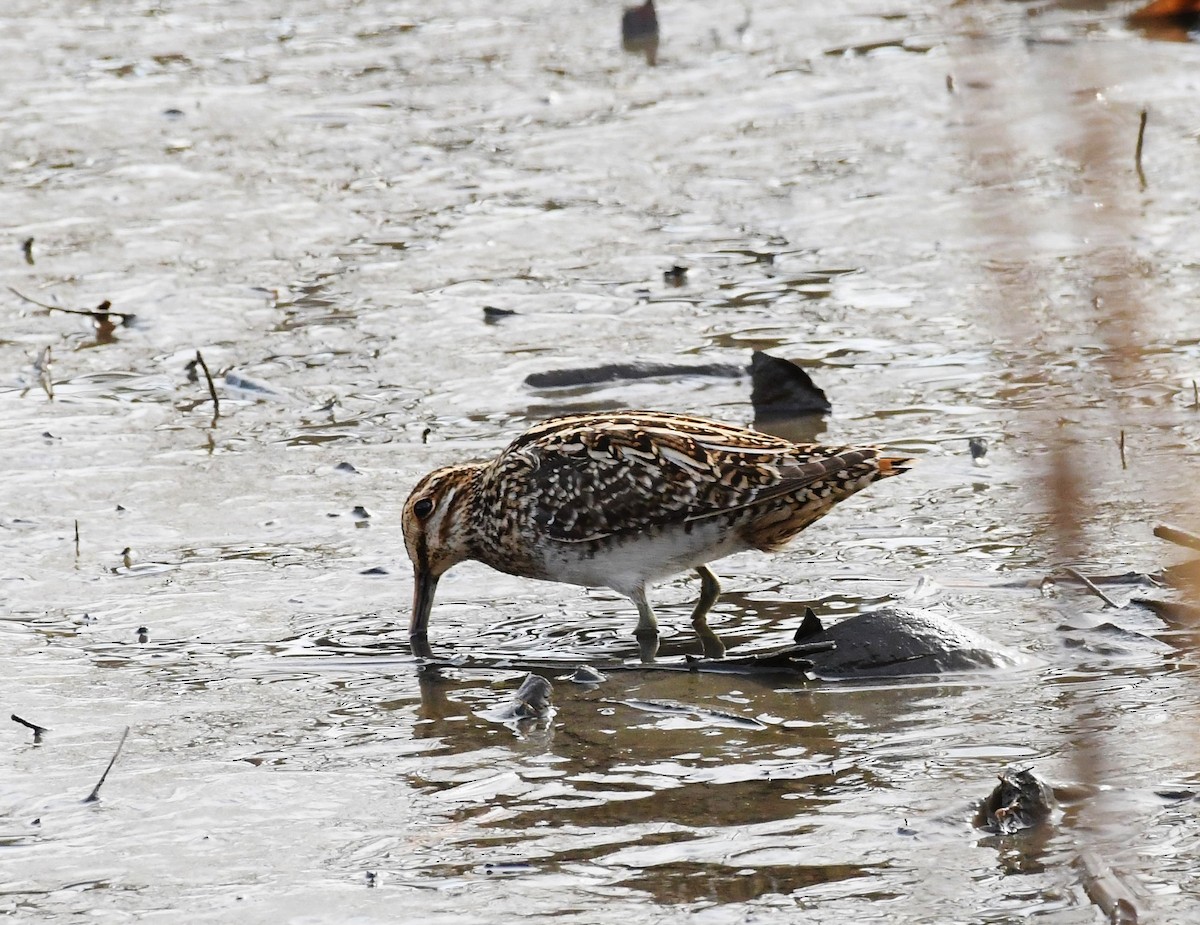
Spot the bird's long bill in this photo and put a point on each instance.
(424, 586)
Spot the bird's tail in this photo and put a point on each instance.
(894, 465)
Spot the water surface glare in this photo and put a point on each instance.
(932, 206)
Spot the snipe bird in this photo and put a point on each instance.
(624, 499)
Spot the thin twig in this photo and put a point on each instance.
(27, 249)
(95, 794)
(101, 312)
(1122, 445)
(1137, 154)
(1091, 586)
(38, 731)
(77, 539)
(1195, 396)
(42, 367)
(1177, 536)
(212, 389)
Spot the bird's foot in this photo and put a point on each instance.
(713, 647)
(419, 643)
(647, 645)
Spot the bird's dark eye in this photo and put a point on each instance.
(423, 508)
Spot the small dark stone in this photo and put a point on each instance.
(491, 311)
(143, 634)
(360, 513)
(639, 31)
(676, 276)
(532, 700)
(978, 447)
(345, 467)
(376, 570)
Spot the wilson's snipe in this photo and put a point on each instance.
(624, 499)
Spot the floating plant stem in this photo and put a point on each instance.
(94, 796)
(1137, 154)
(1091, 586)
(212, 389)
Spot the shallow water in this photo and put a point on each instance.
(935, 211)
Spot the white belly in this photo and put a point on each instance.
(639, 560)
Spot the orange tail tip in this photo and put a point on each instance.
(894, 465)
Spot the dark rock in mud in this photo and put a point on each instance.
(782, 389)
(1020, 801)
(779, 388)
(531, 700)
(891, 641)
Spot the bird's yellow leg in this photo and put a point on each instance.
(710, 590)
(647, 627)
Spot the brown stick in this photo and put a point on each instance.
(1091, 586)
(77, 539)
(212, 389)
(1106, 891)
(1177, 536)
(1122, 445)
(95, 794)
(1137, 154)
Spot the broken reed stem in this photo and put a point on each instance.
(37, 730)
(1177, 536)
(1091, 586)
(77, 539)
(1121, 444)
(1137, 154)
(95, 794)
(1106, 890)
(1195, 396)
(212, 389)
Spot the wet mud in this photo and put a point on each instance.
(374, 223)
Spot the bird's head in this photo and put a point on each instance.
(437, 533)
